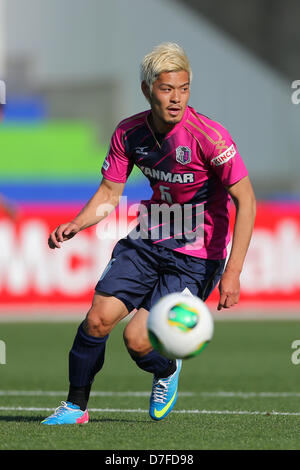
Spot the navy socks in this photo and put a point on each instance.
(156, 364)
(86, 358)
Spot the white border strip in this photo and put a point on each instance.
(73, 312)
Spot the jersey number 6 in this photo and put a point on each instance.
(165, 195)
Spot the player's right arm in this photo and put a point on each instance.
(108, 196)
(115, 170)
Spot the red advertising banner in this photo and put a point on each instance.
(33, 277)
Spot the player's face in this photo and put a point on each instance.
(169, 98)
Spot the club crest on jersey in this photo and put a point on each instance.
(183, 155)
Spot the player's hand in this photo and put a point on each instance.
(229, 289)
(62, 233)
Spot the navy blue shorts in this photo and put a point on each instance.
(140, 273)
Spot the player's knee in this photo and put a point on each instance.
(98, 322)
(136, 343)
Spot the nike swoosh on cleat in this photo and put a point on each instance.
(160, 413)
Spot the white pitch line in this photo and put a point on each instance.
(40, 393)
(139, 410)
(250, 394)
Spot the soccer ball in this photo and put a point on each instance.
(180, 326)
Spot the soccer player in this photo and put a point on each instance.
(189, 160)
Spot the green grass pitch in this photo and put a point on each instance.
(242, 392)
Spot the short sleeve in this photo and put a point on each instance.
(117, 166)
(226, 162)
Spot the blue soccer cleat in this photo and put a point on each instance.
(67, 413)
(164, 394)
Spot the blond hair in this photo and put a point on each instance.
(166, 57)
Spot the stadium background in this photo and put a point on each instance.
(71, 71)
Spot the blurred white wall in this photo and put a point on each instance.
(74, 40)
(2, 39)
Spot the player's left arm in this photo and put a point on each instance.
(244, 199)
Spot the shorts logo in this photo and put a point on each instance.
(183, 155)
(225, 156)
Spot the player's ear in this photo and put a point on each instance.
(146, 90)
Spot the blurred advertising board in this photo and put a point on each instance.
(35, 278)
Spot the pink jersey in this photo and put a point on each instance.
(190, 167)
